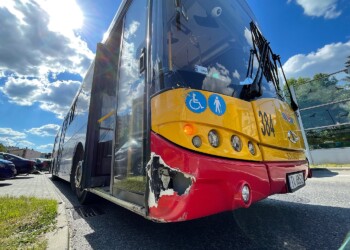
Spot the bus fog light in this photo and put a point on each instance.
(197, 141)
(245, 194)
(214, 138)
(236, 143)
(251, 148)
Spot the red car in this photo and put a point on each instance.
(42, 164)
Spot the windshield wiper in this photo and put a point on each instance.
(267, 66)
(180, 10)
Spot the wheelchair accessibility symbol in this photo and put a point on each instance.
(217, 104)
(196, 102)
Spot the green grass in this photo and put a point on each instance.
(134, 183)
(24, 222)
(331, 165)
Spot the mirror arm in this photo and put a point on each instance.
(292, 101)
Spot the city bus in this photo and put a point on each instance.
(182, 114)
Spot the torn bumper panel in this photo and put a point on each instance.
(184, 185)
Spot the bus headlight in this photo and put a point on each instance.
(213, 138)
(236, 143)
(251, 148)
(197, 141)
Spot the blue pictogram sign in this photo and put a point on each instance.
(196, 102)
(217, 104)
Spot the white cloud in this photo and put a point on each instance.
(38, 40)
(55, 97)
(29, 47)
(248, 36)
(324, 8)
(235, 74)
(65, 15)
(9, 132)
(129, 70)
(10, 137)
(21, 90)
(46, 147)
(25, 144)
(58, 97)
(329, 59)
(46, 130)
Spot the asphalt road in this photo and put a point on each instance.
(315, 217)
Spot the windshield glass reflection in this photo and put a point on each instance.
(207, 47)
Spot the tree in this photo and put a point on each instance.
(2, 148)
(315, 92)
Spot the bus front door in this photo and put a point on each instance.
(129, 180)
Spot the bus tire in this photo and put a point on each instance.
(84, 197)
(78, 156)
(54, 177)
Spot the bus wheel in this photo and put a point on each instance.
(54, 177)
(83, 196)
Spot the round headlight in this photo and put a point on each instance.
(197, 141)
(236, 143)
(213, 137)
(251, 148)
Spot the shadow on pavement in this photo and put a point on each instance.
(37, 172)
(22, 177)
(321, 173)
(269, 224)
(5, 184)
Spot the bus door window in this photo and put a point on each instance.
(130, 129)
(105, 100)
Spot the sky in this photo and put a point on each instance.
(46, 47)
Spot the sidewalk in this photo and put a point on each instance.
(40, 186)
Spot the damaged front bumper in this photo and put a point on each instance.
(185, 185)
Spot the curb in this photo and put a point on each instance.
(59, 238)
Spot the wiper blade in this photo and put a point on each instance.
(180, 10)
(261, 52)
(268, 65)
(255, 88)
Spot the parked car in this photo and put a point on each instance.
(42, 164)
(7, 169)
(23, 166)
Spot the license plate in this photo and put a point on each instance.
(295, 181)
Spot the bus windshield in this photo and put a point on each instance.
(206, 45)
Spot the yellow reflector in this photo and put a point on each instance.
(188, 129)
